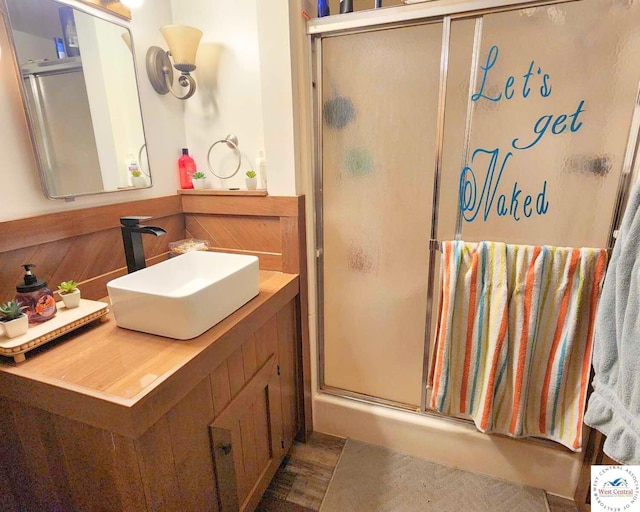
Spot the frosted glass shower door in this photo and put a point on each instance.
(541, 151)
(550, 114)
(379, 118)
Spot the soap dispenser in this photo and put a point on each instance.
(38, 299)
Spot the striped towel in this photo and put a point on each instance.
(514, 337)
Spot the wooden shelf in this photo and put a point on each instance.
(221, 192)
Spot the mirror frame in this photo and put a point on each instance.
(103, 13)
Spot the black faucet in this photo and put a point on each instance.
(132, 237)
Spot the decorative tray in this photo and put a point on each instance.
(65, 321)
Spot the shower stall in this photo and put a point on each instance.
(484, 120)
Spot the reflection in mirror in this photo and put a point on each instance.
(81, 96)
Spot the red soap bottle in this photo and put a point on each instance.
(186, 169)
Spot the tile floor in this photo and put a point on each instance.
(304, 475)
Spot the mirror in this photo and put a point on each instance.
(80, 92)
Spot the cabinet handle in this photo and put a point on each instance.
(225, 448)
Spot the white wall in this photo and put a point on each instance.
(230, 100)
(20, 193)
(277, 93)
(249, 96)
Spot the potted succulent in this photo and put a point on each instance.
(251, 180)
(198, 179)
(70, 294)
(12, 319)
(137, 179)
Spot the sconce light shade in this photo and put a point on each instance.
(183, 44)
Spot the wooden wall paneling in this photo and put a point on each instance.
(157, 468)
(190, 443)
(41, 229)
(218, 192)
(236, 372)
(265, 461)
(249, 452)
(266, 260)
(101, 466)
(224, 455)
(274, 394)
(267, 344)
(154, 245)
(294, 256)
(225, 236)
(95, 288)
(8, 502)
(35, 479)
(270, 206)
(221, 387)
(249, 358)
(288, 381)
(14, 468)
(261, 423)
(266, 341)
(242, 482)
(249, 233)
(53, 463)
(44, 453)
(82, 257)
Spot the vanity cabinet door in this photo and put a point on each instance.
(247, 440)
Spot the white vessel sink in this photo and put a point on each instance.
(184, 296)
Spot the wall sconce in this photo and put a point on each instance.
(183, 45)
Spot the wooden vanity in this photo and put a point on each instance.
(111, 419)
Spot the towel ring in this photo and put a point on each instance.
(232, 142)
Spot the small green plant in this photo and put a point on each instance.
(136, 174)
(11, 310)
(251, 173)
(67, 287)
(198, 175)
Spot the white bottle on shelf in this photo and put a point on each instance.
(134, 172)
(261, 168)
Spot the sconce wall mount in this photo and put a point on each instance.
(183, 45)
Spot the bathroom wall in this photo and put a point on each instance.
(20, 193)
(250, 93)
(250, 96)
(228, 100)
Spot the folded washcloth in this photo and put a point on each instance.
(614, 406)
(513, 346)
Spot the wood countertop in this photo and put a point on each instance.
(124, 381)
